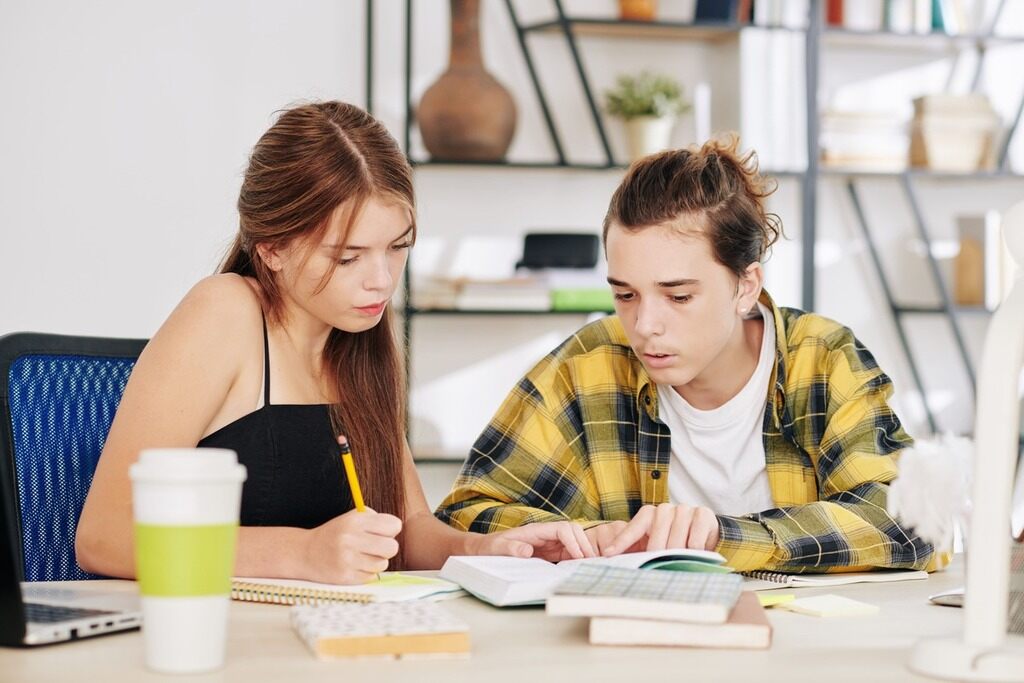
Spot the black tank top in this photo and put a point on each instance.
(295, 474)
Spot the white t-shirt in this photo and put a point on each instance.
(718, 455)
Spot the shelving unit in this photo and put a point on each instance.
(817, 36)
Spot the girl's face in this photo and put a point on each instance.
(361, 281)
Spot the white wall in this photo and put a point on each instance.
(126, 127)
(123, 136)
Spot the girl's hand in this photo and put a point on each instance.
(351, 548)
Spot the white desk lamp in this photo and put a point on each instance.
(984, 651)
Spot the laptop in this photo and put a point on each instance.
(38, 614)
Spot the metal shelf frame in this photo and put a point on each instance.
(573, 29)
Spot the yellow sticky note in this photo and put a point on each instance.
(398, 579)
(830, 606)
(773, 599)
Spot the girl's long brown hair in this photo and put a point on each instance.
(314, 159)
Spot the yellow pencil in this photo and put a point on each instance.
(350, 471)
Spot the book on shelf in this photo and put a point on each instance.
(510, 581)
(834, 12)
(746, 628)
(607, 591)
(389, 587)
(766, 580)
(983, 270)
(922, 16)
(864, 15)
(380, 630)
(899, 16)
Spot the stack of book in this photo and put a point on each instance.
(864, 140)
(908, 16)
(636, 607)
(516, 293)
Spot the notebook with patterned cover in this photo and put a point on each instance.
(607, 591)
(387, 629)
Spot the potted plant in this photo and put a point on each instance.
(649, 104)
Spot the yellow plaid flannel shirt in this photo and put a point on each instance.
(579, 439)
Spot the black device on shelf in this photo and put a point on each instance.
(560, 250)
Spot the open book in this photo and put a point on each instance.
(508, 581)
(763, 580)
(389, 587)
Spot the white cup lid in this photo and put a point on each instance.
(188, 464)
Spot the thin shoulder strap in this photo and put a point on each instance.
(266, 362)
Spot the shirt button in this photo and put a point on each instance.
(656, 474)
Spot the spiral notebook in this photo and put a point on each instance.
(389, 587)
(764, 580)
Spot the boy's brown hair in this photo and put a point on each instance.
(715, 185)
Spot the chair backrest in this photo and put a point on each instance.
(58, 396)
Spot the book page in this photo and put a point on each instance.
(638, 560)
(517, 569)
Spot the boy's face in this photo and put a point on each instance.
(679, 306)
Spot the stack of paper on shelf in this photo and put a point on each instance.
(864, 140)
(433, 293)
(508, 294)
(515, 293)
(632, 607)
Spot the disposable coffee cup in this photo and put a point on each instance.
(186, 503)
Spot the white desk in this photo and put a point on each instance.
(526, 646)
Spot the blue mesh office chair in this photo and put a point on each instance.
(58, 395)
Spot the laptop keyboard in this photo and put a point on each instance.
(48, 614)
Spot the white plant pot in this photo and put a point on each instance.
(648, 134)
